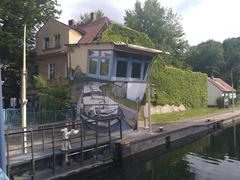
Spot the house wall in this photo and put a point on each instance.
(74, 36)
(80, 55)
(213, 94)
(136, 90)
(60, 61)
(51, 28)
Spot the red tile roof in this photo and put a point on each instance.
(92, 30)
(220, 84)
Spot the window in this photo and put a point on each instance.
(99, 63)
(46, 43)
(121, 69)
(37, 70)
(51, 71)
(57, 41)
(145, 70)
(94, 53)
(106, 53)
(104, 67)
(136, 70)
(93, 65)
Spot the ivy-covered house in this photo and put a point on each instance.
(98, 56)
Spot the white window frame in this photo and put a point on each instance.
(51, 71)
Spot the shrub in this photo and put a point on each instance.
(176, 86)
(220, 102)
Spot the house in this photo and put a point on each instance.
(219, 88)
(125, 65)
(116, 69)
(52, 55)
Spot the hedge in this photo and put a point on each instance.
(174, 86)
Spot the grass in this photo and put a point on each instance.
(191, 113)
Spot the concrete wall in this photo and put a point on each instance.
(213, 94)
(80, 55)
(135, 90)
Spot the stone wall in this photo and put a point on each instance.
(163, 109)
(167, 109)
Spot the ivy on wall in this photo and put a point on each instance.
(174, 86)
(119, 33)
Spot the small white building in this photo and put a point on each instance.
(217, 88)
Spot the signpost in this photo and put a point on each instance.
(2, 134)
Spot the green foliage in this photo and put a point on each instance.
(175, 87)
(53, 97)
(13, 15)
(119, 33)
(39, 81)
(220, 102)
(207, 57)
(159, 23)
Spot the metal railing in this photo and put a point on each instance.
(46, 141)
(13, 117)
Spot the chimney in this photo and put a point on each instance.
(71, 22)
(92, 16)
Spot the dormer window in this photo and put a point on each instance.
(46, 43)
(57, 41)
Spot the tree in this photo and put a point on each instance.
(207, 57)
(159, 23)
(85, 18)
(54, 97)
(231, 48)
(13, 14)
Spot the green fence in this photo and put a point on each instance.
(13, 117)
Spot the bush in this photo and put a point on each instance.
(220, 102)
(176, 86)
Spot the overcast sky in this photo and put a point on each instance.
(201, 19)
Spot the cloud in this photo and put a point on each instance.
(201, 19)
(213, 19)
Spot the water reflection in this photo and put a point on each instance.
(215, 156)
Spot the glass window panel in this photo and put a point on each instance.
(106, 53)
(145, 70)
(121, 69)
(136, 70)
(104, 67)
(46, 43)
(93, 66)
(57, 40)
(94, 53)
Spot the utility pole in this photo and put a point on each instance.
(233, 105)
(24, 100)
(149, 108)
(2, 131)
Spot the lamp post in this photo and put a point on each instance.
(24, 100)
(233, 105)
(2, 133)
(149, 108)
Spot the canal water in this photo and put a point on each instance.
(213, 157)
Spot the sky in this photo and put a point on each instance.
(201, 19)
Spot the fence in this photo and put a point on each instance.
(13, 117)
